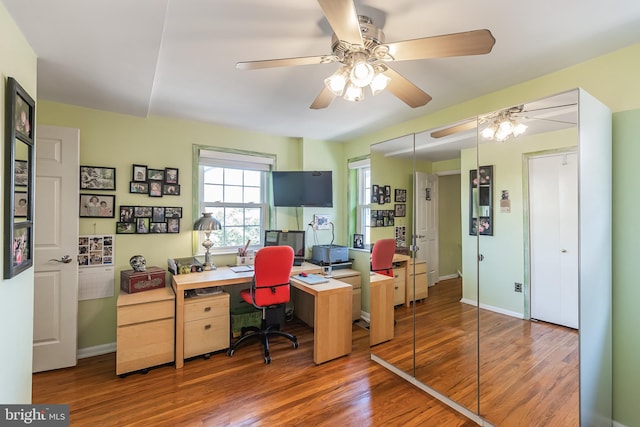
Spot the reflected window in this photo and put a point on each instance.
(362, 169)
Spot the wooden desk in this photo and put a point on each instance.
(331, 317)
(381, 308)
(332, 334)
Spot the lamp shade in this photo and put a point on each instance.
(206, 223)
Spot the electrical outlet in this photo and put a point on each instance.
(517, 287)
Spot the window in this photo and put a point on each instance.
(234, 188)
(363, 198)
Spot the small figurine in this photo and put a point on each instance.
(138, 263)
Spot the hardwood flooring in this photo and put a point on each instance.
(243, 391)
(528, 370)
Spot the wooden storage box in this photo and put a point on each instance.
(137, 281)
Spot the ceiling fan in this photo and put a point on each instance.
(510, 117)
(359, 46)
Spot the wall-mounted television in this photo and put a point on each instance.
(302, 188)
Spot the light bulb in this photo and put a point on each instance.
(519, 129)
(337, 81)
(361, 72)
(489, 132)
(353, 93)
(379, 83)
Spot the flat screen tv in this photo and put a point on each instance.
(302, 188)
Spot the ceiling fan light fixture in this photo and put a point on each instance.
(337, 81)
(379, 83)
(503, 127)
(353, 93)
(362, 73)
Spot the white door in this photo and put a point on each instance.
(56, 240)
(426, 220)
(553, 222)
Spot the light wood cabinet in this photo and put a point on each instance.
(353, 278)
(421, 285)
(206, 324)
(399, 284)
(382, 321)
(145, 329)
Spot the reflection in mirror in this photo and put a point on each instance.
(483, 339)
(21, 181)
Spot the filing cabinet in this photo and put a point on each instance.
(145, 329)
(206, 324)
(351, 277)
(421, 285)
(399, 283)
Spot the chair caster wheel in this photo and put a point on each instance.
(230, 352)
(295, 344)
(207, 356)
(145, 371)
(267, 360)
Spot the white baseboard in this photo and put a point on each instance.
(365, 316)
(96, 350)
(448, 276)
(494, 309)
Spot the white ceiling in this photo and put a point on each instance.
(177, 58)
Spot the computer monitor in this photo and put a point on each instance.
(293, 238)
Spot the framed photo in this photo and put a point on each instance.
(142, 212)
(171, 189)
(125, 228)
(155, 188)
(158, 227)
(139, 187)
(173, 225)
(21, 248)
(374, 193)
(126, 214)
(358, 241)
(155, 174)
(142, 225)
(97, 206)
(23, 116)
(400, 195)
(171, 175)
(158, 214)
(20, 204)
(173, 212)
(382, 194)
(139, 173)
(97, 178)
(400, 210)
(21, 173)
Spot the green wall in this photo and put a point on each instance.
(17, 60)
(449, 230)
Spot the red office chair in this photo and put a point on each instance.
(382, 256)
(270, 288)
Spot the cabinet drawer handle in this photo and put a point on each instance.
(207, 327)
(207, 309)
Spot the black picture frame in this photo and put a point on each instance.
(400, 195)
(126, 214)
(19, 126)
(139, 187)
(171, 175)
(155, 188)
(170, 189)
(125, 227)
(142, 225)
(158, 227)
(173, 225)
(97, 178)
(173, 212)
(97, 205)
(358, 241)
(158, 214)
(139, 173)
(481, 221)
(143, 212)
(400, 210)
(155, 174)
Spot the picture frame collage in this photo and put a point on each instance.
(148, 220)
(381, 194)
(154, 182)
(95, 250)
(97, 178)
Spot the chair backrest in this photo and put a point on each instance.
(272, 270)
(382, 255)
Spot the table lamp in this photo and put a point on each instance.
(207, 224)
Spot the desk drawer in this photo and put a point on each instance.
(206, 335)
(138, 313)
(144, 345)
(205, 307)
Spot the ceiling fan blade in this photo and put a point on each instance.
(284, 62)
(451, 130)
(402, 88)
(343, 18)
(323, 100)
(477, 42)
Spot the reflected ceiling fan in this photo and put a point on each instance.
(359, 46)
(504, 124)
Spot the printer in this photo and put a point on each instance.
(329, 254)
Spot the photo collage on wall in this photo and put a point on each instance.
(148, 220)
(381, 194)
(95, 250)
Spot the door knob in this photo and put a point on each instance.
(65, 259)
(481, 257)
(563, 251)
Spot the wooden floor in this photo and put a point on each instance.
(243, 391)
(528, 370)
